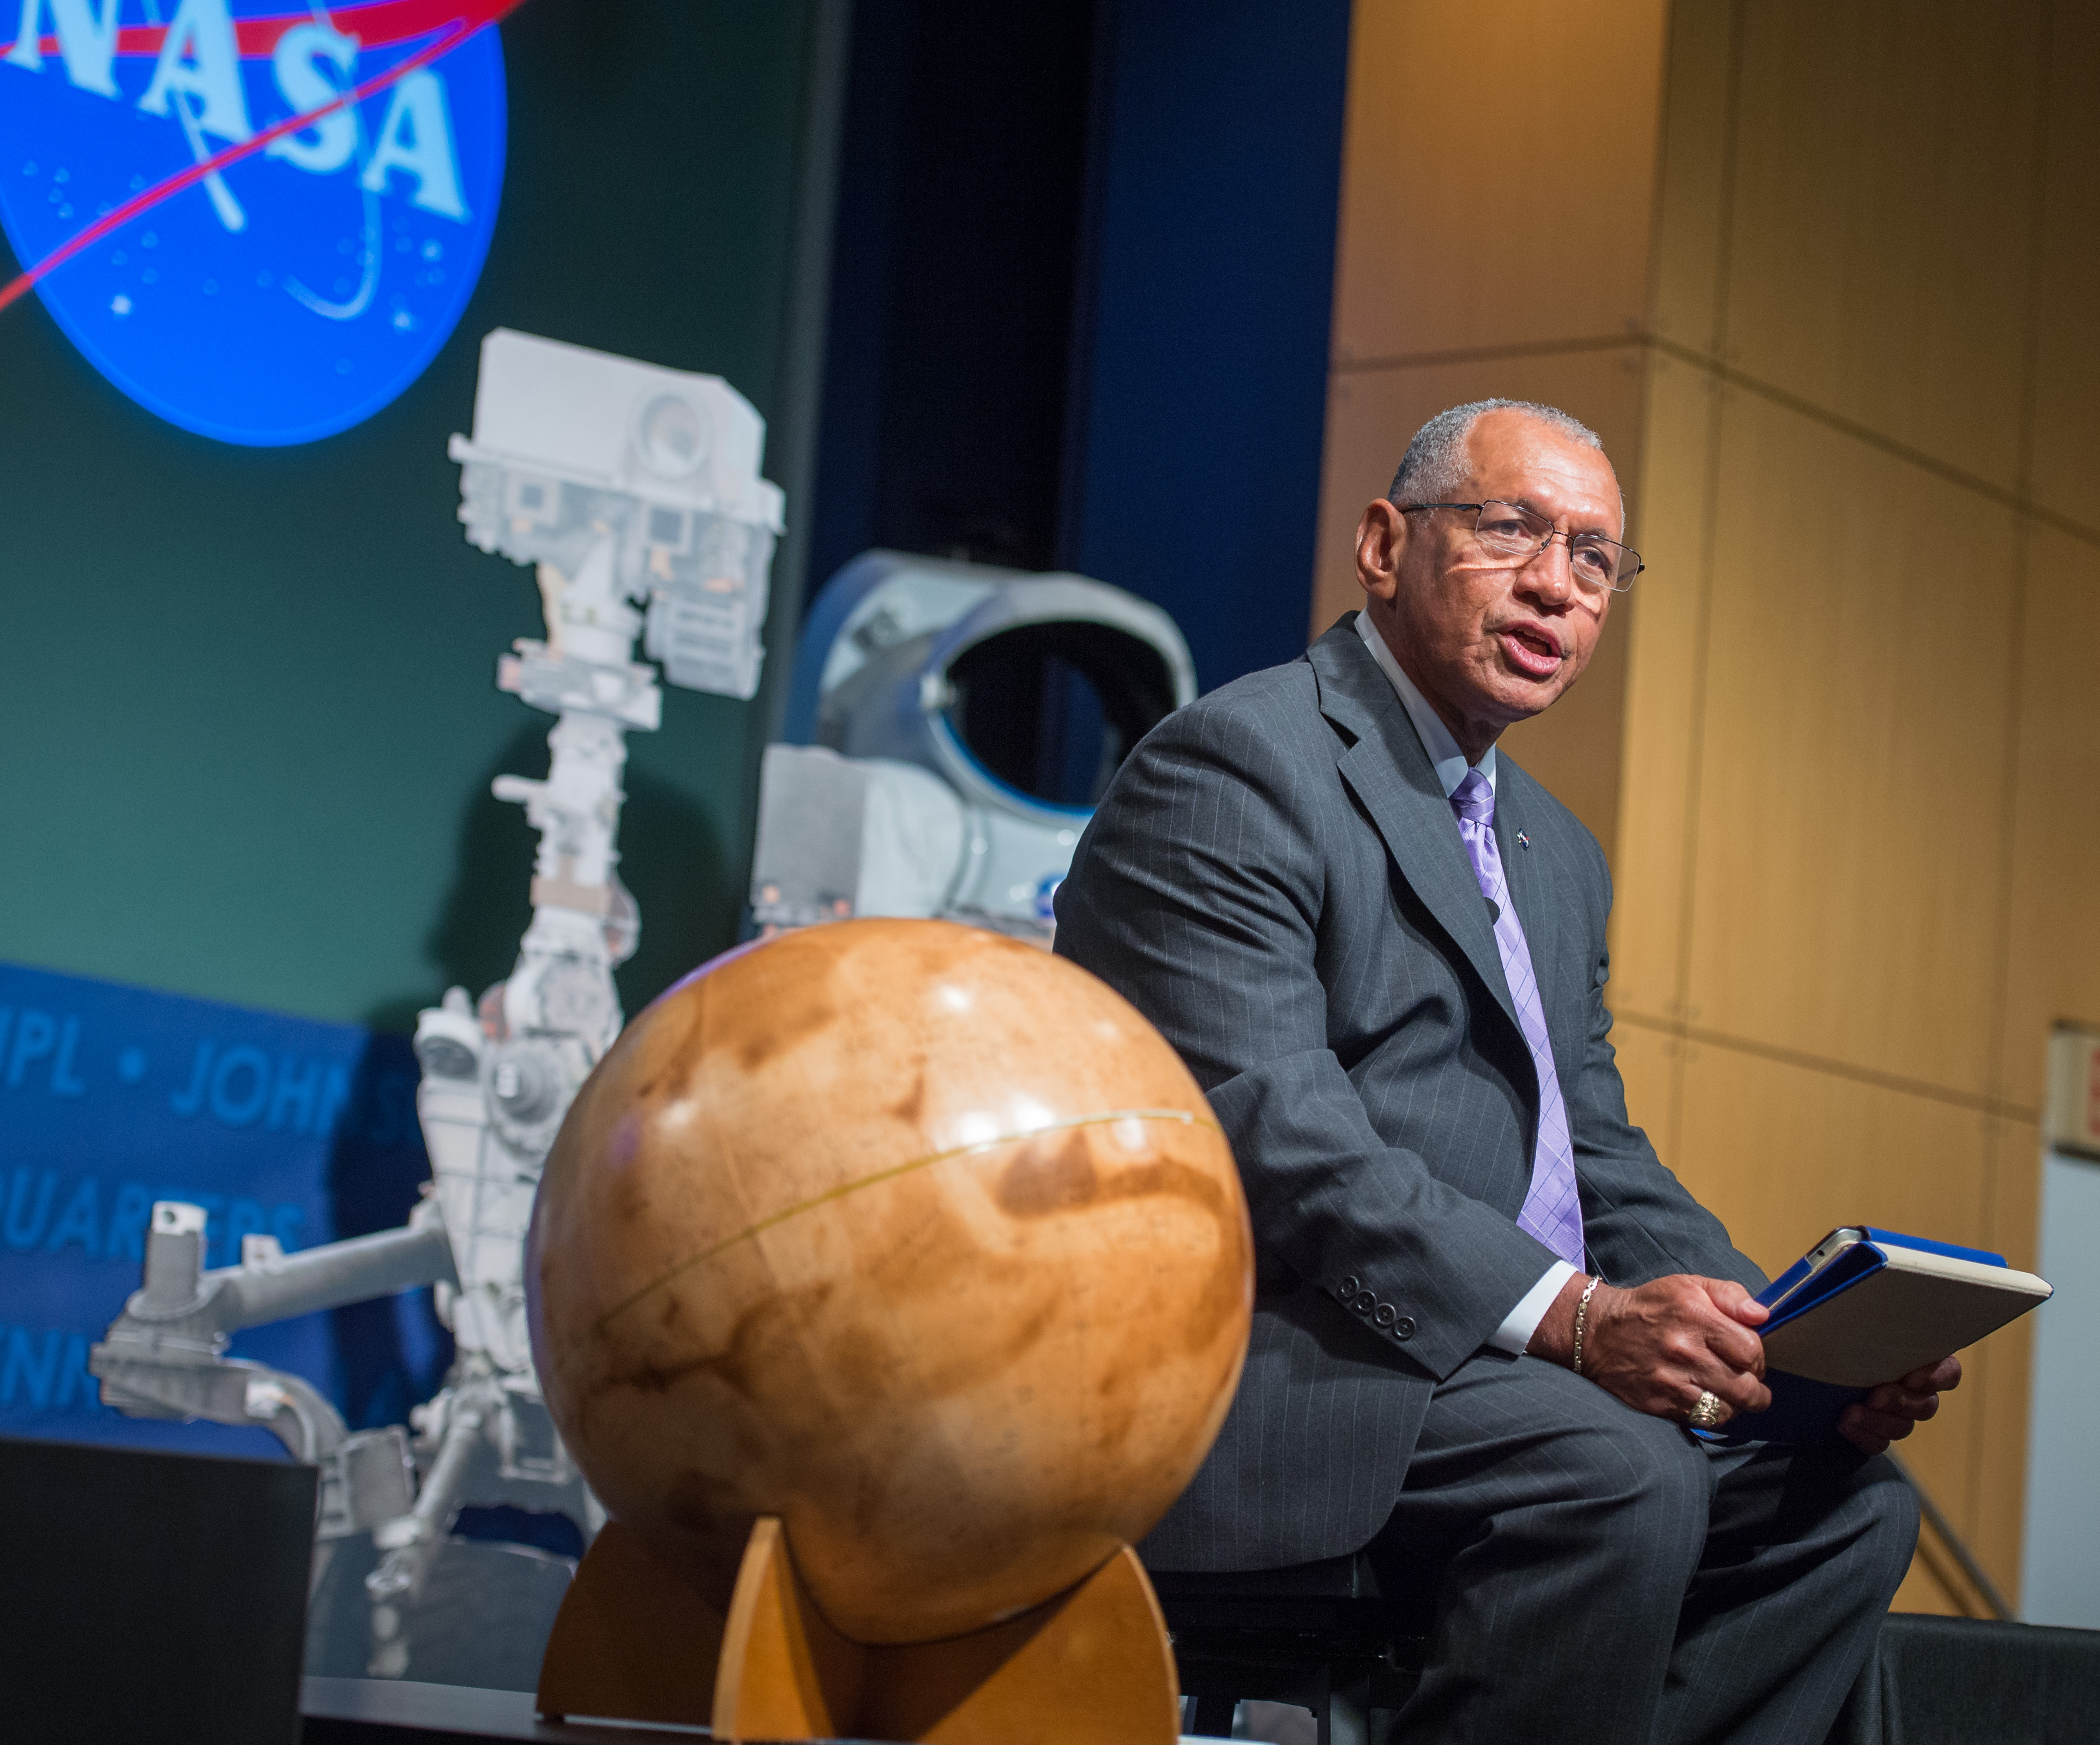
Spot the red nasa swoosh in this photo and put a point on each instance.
(455, 20)
(379, 24)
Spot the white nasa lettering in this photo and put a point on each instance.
(199, 56)
(327, 145)
(417, 136)
(87, 44)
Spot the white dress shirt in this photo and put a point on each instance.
(1450, 763)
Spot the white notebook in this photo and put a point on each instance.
(1867, 1305)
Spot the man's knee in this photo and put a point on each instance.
(1888, 1507)
(1648, 1468)
(1637, 1493)
(1562, 1469)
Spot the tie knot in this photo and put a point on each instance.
(1474, 799)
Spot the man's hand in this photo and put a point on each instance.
(1896, 1408)
(1661, 1345)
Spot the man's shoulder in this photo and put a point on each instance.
(1290, 690)
(1263, 716)
(1279, 708)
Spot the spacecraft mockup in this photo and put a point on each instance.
(949, 728)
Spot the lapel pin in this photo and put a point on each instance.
(1523, 841)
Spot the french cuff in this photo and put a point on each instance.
(1522, 1322)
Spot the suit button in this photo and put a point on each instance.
(1403, 1328)
(1386, 1314)
(1362, 1302)
(1350, 1286)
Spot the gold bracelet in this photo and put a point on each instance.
(1581, 1313)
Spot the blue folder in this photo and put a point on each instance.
(1803, 1410)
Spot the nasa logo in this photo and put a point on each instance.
(260, 223)
(1045, 898)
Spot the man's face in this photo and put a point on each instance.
(1487, 641)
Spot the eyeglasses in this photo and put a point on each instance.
(1511, 531)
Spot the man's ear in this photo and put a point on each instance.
(1381, 542)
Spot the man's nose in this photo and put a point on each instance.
(1549, 573)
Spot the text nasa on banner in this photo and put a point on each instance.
(113, 1097)
(305, 282)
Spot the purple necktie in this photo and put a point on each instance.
(1552, 1210)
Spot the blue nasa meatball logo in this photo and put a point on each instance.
(260, 220)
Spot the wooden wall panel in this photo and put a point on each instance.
(1648, 1064)
(1884, 176)
(2052, 969)
(1783, 1154)
(1692, 182)
(1848, 892)
(1665, 642)
(1924, 1590)
(2002, 1392)
(1487, 198)
(2067, 428)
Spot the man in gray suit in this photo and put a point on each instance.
(1486, 1315)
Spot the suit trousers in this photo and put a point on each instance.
(1598, 1575)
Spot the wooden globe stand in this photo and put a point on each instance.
(1090, 1666)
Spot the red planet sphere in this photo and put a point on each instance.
(911, 1235)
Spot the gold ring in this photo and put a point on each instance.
(1707, 1415)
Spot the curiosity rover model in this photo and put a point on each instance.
(635, 492)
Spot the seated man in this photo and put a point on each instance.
(1485, 1314)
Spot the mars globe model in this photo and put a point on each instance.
(910, 1235)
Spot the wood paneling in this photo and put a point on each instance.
(1498, 169)
(1847, 890)
(2066, 430)
(1783, 1154)
(1371, 414)
(1885, 170)
(1664, 645)
(2001, 1419)
(1692, 180)
(1924, 1591)
(2053, 970)
(1647, 1064)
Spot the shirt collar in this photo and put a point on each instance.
(1445, 756)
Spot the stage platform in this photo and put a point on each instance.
(383, 1711)
(1936, 1682)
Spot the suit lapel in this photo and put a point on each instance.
(1389, 772)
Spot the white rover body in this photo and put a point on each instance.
(635, 491)
(950, 727)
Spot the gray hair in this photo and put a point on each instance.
(1436, 466)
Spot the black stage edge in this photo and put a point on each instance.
(1933, 1681)
(399, 1711)
(151, 1597)
(1962, 1681)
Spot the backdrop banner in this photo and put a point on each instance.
(113, 1097)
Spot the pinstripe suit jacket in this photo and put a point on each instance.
(1276, 879)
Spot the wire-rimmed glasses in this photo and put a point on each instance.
(1513, 530)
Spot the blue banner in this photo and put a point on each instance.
(113, 1097)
